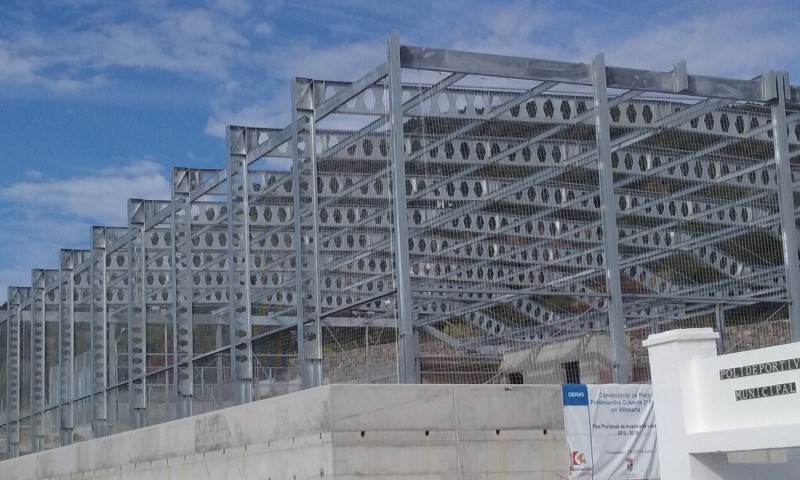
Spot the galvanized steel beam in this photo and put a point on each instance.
(183, 332)
(408, 369)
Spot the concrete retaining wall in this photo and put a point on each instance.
(337, 431)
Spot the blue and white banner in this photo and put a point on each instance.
(611, 432)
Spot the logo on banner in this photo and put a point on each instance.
(579, 465)
(629, 463)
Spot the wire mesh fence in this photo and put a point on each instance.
(353, 240)
(505, 210)
(275, 365)
(213, 383)
(119, 417)
(447, 218)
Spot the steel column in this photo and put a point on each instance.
(66, 342)
(298, 248)
(408, 371)
(26, 355)
(239, 264)
(98, 337)
(37, 359)
(719, 318)
(13, 375)
(183, 346)
(220, 369)
(137, 325)
(776, 85)
(305, 170)
(616, 317)
(52, 303)
(117, 293)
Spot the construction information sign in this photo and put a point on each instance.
(611, 432)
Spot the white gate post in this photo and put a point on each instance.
(671, 356)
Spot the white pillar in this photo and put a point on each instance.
(672, 354)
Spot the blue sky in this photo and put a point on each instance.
(98, 100)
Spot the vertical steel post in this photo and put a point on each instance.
(366, 349)
(37, 360)
(183, 343)
(298, 247)
(776, 86)
(312, 332)
(719, 317)
(116, 317)
(616, 316)
(66, 342)
(309, 339)
(220, 387)
(239, 264)
(98, 337)
(14, 373)
(137, 326)
(52, 302)
(407, 371)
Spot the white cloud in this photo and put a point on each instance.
(31, 242)
(42, 215)
(263, 29)
(101, 197)
(234, 7)
(191, 41)
(67, 58)
(276, 114)
(506, 22)
(343, 61)
(26, 69)
(738, 43)
(14, 68)
(346, 61)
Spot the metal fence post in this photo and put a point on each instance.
(407, 348)
(616, 316)
(52, 302)
(137, 327)
(775, 87)
(66, 342)
(183, 342)
(37, 359)
(14, 371)
(117, 293)
(98, 335)
(298, 248)
(309, 334)
(239, 265)
(719, 318)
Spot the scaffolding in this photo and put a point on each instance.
(450, 217)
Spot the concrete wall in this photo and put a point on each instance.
(337, 431)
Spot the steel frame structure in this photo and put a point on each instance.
(594, 200)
